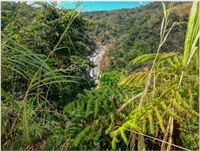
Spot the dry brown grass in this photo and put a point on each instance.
(104, 63)
(182, 9)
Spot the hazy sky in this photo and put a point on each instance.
(97, 6)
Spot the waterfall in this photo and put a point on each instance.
(90, 72)
(96, 58)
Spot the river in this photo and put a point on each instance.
(96, 58)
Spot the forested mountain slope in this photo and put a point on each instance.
(133, 32)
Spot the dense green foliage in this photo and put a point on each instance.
(49, 102)
(12, 11)
(43, 68)
(43, 33)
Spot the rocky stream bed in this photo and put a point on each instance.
(96, 58)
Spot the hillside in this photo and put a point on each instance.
(132, 32)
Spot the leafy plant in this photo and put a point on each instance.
(88, 115)
(111, 78)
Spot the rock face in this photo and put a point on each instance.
(96, 58)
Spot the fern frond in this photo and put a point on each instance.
(143, 59)
(168, 89)
(150, 117)
(174, 115)
(137, 79)
(178, 59)
(159, 117)
(150, 57)
(144, 124)
(171, 64)
(180, 109)
(121, 115)
(98, 134)
(82, 107)
(80, 136)
(189, 109)
(88, 93)
(123, 136)
(114, 142)
(108, 130)
(88, 107)
(96, 108)
(131, 124)
(81, 96)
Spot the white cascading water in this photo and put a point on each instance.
(96, 57)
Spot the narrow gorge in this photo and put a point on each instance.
(96, 58)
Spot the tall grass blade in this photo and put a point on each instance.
(192, 34)
(164, 11)
(9, 98)
(191, 39)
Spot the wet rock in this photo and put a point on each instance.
(96, 58)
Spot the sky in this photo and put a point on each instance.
(102, 5)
